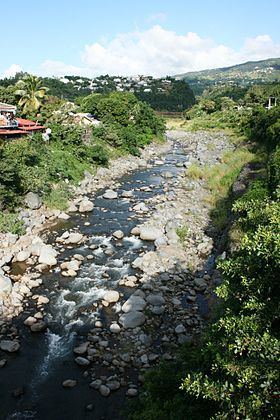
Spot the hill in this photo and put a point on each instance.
(244, 74)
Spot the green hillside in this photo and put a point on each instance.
(241, 74)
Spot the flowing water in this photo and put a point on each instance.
(46, 359)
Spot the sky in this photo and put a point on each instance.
(121, 37)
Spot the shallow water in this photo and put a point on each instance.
(45, 360)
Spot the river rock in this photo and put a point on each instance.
(23, 255)
(149, 233)
(134, 303)
(74, 238)
(39, 326)
(69, 383)
(30, 321)
(180, 329)
(72, 208)
(71, 273)
(115, 328)
(135, 231)
(131, 392)
(157, 310)
(42, 300)
(33, 201)
(132, 319)
(141, 207)
(82, 361)
(200, 283)
(70, 265)
(5, 285)
(118, 234)
(155, 300)
(110, 195)
(3, 362)
(96, 384)
(82, 348)
(36, 246)
(113, 385)
(85, 205)
(47, 255)
(63, 216)
(104, 391)
(9, 345)
(111, 296)
(127, 194)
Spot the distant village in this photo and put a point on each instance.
(120, 83)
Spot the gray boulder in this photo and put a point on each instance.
(149, 233)
(33, 201)
(155, 300)
(132, 319)
(134, 303)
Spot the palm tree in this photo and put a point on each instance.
(31, 93)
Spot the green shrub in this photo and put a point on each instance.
(183, 232)
(274, 170)
(58, 197)
(9, 222)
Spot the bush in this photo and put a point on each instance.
(274, 170)
(9, 222)
(58, 197)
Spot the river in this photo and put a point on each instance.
(46, 359)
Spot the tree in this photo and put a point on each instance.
(31, 93)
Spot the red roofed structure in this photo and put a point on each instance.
(10, 126)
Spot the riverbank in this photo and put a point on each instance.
(132, 277)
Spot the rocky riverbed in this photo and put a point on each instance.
(117, 290)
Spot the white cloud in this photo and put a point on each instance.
(262, 46)
(158, 52)
(11, 71)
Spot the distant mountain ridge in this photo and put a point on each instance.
(251, 72)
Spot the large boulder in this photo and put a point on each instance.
(149, 233)
(85, 205)
(33, 201)
(134, 303)
(132, 319)
(5, 285)
(47, 255)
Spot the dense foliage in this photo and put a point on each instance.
(34, 164)
(177, 97)
(165, 94)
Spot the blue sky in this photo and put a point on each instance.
(120, 36)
